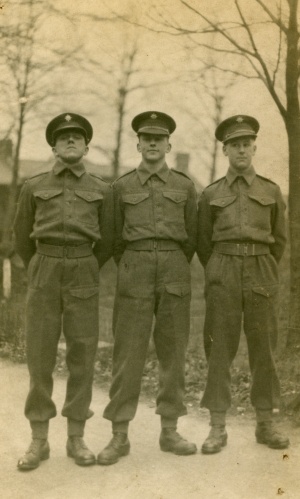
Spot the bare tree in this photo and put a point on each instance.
(112, 79)
(120, 87)
(207, 89)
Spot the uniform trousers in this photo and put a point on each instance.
(62, 296)
(241, 291)
(150, 283)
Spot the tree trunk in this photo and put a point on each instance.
(13, 190)
(117, 151)
(292, 122)
(293, 130)
(213, 170)
(218, 101)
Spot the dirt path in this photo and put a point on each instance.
(243, 470)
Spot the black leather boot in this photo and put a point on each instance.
(38, 450)
(266, 433)
(119, 446)
(77, 449)
(171, 441)
(216, 439)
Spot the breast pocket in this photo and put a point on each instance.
(259, 213)
(137, 208)
(224, 209)
(48, 205)
(173, 205)
(86, 204)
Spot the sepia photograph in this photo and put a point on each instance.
(150, 249)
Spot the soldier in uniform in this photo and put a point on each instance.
(241, 239)
(64, 234)
(156, 227)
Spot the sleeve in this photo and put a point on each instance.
(190, 215)
(278, 227)
(120, 243)
(23, 225)
(205, 230)
(103, 249)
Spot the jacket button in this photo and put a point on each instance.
(46, 195)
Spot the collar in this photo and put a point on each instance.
(144, 174)
(77, 169)
(249, 175)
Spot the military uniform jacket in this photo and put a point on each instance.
(155, 206)
(237, 208)
(66, 206)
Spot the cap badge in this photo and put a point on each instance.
(153, 116)
(68, 117)
(240, 119)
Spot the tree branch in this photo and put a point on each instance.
(274, 19)
(220, 30)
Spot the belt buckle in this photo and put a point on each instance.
(245, 252)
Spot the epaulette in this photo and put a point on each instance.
(181, 173)
(215, 181)
(123, 175)
(37, 175)
(98, 177)
(265, 178)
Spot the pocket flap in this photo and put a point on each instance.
(84, 293)
(175, 196)
(266, 291)
(47, 193)
(264, 200)
(222, 202)
(178, 288)
(89, 195)
(135, 198)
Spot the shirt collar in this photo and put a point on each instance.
(77, 169)
(249, 175)
(144, 174)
